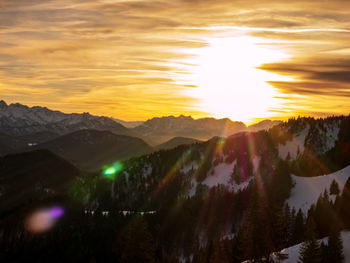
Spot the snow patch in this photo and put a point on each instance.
(331, 137)
(229, 236)
(221, 175)
(291, 254)
(147, 170)
(193, 165)
(292, 146)
(307, 189)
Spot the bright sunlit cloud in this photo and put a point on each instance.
(227, 81)
(138, 59)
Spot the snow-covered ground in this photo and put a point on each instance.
(193, 165)
(292, 253)
(307, 189)
(331, 136)
(327, 136)
(292, 146)
(221, 175)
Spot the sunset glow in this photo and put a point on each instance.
(135, 60)
(226, 79)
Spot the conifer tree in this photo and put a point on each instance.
(334, 188)
(324, 253)
(335, 247)
(298, 228)
(310, 249)
(136, 241)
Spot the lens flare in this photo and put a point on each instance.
(56, 212)
(111, 171)
(43, 220)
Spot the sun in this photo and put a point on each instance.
(227, 81)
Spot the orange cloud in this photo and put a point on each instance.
(122, 57)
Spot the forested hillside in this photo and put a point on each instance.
(224, 200)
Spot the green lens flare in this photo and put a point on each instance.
(111, 171)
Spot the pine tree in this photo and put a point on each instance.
(282, 227)
(334, 188)
(324, 253)
(335, 247)
(310, 249)
(236, 174)
(298, 228)
(136, 241)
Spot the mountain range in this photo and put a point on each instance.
(33, 125)
(20, 120)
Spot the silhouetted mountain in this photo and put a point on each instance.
(20, 120)
(29, 176)
(91, 149)
(174, 142)
(129, 124)
(159, 130)
(263, 125)
(9, 144)
(39, 137)
(33, 125)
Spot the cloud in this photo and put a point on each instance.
(77, 53)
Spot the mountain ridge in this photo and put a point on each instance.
(19, 120)
(161, 129)
(91, 149)
(25, 122)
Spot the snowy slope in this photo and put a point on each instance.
(293, 252)
(307, 189)
(222, 175)
(330, 136)
(318, 137)
(292, 146)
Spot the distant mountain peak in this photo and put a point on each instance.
(3, 104)
(189, 117)
(19, 120)
(19, 105)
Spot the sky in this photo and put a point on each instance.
(133, 60)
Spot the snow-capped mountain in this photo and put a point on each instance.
(29, 122)
(20, 120)
(317, 136)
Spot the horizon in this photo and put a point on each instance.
(247, 124)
